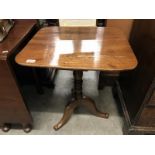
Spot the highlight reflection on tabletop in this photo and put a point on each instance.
(89, 48)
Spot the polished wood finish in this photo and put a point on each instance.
(13, 109)
(77, 100)
(14, 38)
(79, 49)
(124, 24)
(109, 79)
(138, 86)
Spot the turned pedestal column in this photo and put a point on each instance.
(78, 100)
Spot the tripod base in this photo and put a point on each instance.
(79, 100)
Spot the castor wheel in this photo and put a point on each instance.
(27, 128)
(6, 127)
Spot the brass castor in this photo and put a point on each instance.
(27, 128)
(6, 127)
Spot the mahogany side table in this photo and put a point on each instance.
(79, 49)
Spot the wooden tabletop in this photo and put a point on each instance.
(21, 28)
(83, 48)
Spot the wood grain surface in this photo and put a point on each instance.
(14, 38)
(82, 48)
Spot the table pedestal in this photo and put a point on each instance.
(77, 100)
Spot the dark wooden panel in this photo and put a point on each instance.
(135, 84)
(147, 117)
(138, 86)
(104, 49)
(12, 107)
(152, 99)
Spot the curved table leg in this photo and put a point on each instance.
(79, 99)
(67, 114)
(90, 105)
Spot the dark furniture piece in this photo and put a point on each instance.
(5, 26)
(137, 88)
(104, 49)
(13, 109)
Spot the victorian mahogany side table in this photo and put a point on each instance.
(79, 49)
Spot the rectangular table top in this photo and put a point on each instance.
(82, 48)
